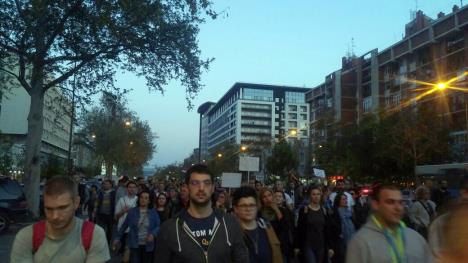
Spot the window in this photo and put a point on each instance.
(292, 116)
(292, 123)
(257, 94)
(292, 108)
(304, 117)
(303, 108)
(295, 97)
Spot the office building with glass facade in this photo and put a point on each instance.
(254, 114)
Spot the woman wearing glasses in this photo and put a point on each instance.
(259, 236)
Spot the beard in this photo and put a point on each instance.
(195, 201)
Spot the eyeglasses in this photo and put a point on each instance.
(247, 206)
(204, 182)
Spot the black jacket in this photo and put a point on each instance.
(175, 243)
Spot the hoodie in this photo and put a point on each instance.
(369, 245)
(176, 244)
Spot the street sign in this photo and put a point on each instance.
(231, 180)
(249, 164)
(319, 173)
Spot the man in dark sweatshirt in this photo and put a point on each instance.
(198, 233)
(384, 238)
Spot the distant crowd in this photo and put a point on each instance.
(196, 220)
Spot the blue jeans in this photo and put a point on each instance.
(312, 255)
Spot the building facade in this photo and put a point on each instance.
(254, 114)
(431, 51)
(14, 110)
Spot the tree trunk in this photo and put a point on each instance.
(109, 168)
(33, 148)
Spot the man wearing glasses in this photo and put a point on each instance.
(198, 233)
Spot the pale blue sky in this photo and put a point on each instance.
(279, 42)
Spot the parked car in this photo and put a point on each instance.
(13, 204)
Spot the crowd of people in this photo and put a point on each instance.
(196, 220)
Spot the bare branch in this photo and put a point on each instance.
(59, 28)
(11, 49)
(9, 72)
(20, 12)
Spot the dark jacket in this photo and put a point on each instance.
(112, 204)
(132, 220)
(275, 244)
(176, 244)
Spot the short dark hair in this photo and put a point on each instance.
(243, 192)
(59, 185)
(131, 182)
(313, 187)
(198, 168)
(379, 188)
(107, 180)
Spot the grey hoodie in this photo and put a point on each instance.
(369, 245)
(176, 245)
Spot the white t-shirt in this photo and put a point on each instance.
(125, 201)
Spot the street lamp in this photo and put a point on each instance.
(244, 148)
(220, 155)
(128, 123)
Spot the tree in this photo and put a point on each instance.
(386, 147)
(44, 43)
(282, 160)
(119, 137)
(421, 136)
(224, 158)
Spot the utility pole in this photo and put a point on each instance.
(70, 137)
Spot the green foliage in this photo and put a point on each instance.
(224, 158)
(54, 166)
(118, 136)
(174, 170)
(282, 160)
(80, 45)
(386, 147)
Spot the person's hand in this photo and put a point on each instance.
(150, 238)
(115, 245)
(125, 209)
(331, 253)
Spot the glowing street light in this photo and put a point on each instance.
(220, 155)
(441, 86)
(293, 132)
(128, 123)
(93, 136)
(131, 142)
(244, 148)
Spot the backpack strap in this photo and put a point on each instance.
(39, 230)
(87, 231)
